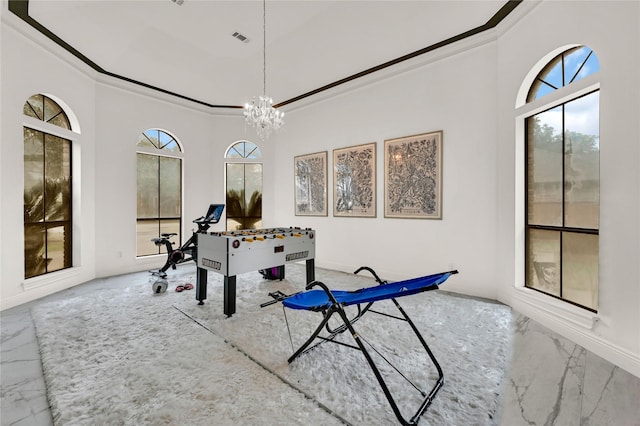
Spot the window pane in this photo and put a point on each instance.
(36, 106)
(244, 149)
(539, 89)
(543, 267)
(34, 250)
(573, 60)
(241, 223)
(252, 151)
(33, 176)
(171, 227)
(582, 162)
(253, 190)
(47, 192)
(164, 139)
(61, 120)
(147, 170)
(57, 171)
(172, 146)
(580, 269)
(159, 192)
(579, 62)
(143, 140)
(51, 109)
(544, 195)
(46, 109)
(591, 66)
(145, 231)
(57, 254)
(241, 147)
(235, 190)
(170, 185)
(28, 110)
(575, 66)
(233, 224)
(233, 152)
(152, 137)
(552, 74)
(244, 196)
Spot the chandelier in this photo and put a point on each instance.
(262, 115)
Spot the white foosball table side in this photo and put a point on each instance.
(238, 252)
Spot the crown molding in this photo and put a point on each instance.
(21, 9)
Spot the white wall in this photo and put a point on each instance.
(29, 68)
(611, 30)
(468, 91)
(456, 95)
(471, 97)
(111, 114)
(123, 116)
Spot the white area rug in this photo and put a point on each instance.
(121, 355)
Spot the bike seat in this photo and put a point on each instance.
(163, 239)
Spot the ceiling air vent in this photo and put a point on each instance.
(241, 37)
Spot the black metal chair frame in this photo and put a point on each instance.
(348, 324)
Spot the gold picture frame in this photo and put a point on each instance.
(354, 181)
(310, 180)
(413, 176)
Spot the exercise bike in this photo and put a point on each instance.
(189, 250)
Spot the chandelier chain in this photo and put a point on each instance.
(261, 114)
(264, 47)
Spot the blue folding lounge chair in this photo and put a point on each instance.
(330, 302)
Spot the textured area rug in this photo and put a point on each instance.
(121, 355)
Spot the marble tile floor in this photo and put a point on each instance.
(551, 381)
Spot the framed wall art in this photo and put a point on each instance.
(310, 175)
(354, 178)
(413, 176)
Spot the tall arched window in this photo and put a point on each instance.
(47, 189)
(244, 186)
(159, 183)
(562, 179)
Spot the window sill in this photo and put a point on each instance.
(50, 278)
(556, 308)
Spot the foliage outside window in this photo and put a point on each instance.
(563, 187)
(159, 189)
(47, 191)
(244, 186)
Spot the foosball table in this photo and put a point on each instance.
(236, 252)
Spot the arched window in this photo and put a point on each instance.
(47, 189)
(569, 66)
(46, 109)
(244, 186)
(562, 201)
(159, 189)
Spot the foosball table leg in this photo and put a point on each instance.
(311, 270)
(201, 285)
(229, 295)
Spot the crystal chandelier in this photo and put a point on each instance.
(262, 115)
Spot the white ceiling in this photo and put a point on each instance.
(188, 49)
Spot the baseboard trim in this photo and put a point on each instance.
(577, 328)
